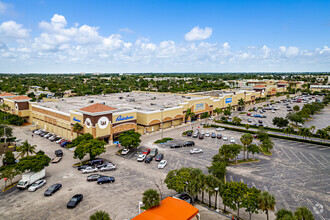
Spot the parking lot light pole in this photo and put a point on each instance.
(216, 191)
(161, 113)
(140, 204)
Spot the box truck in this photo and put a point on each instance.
(29, 178)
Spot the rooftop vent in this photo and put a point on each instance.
(152, 103)
(91, 101)
(102, 103)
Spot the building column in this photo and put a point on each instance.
(199, 117)
(110, 139)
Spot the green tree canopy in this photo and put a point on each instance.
(150, 199)
(250, 201)
(33, 163)
(280, 122)
(100, 215)
(295, 118)
(246, 140)
(81, 138)
(284, 214)
(178, 179)
(303, 213)
(9, 158)
(266, 202)
(26, 149)
(130, 139)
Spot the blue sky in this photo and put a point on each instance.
(164, 36)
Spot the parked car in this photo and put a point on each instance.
(195, 135)
(64, 143)
(263, 116)
(58, 141)
(99, 166)
(48, 135)
(55, 139)
(82, 167)
(36, 185)
(219, 136)
(232, 140)
(201, 136)
(93, 177)
(259, 121)
(108, 167)
(207, 134)
(289, 109)
(74, 201)
(248, 114)
(249, 120)
(159, 157)
(189, 134)
(53, 189)
(176, 145)
(95, 162)
(220, 129)
(189, 143)
(196, 151)
(59, 153)
(90, 170)
(213, 135)
(141, 157)
(225, 138)
(273, 111)
(185, 197)
(162, 164)
(146, 151)
(105, 179)
(153, 152)
(148, 159)
(124, 151)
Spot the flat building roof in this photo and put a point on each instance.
(143, 101)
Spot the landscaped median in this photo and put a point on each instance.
(270, 135)
(163, 140)
(242, 161)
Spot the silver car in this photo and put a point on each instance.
(196, 151)
(36, 185)
(89, 170)
(108, 167)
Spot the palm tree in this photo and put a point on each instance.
(303, 213)
(266, 202)
(150, 199)
(288, 130)
(100, 215)
(78, 128)
(26, 149)
(211, 184)
(246, 140)
(229, 107)
(203, 185)
(237, 120)
(189, 114)
(312, 128)
(241, 103)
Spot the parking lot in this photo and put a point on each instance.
(297, 174)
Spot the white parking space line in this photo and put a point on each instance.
(231, 178)
(315, 209)
(323, 148)
(285, 203)
(317, 160)
(313, 147)
(286, 154)
(306, 158)
(324, 158)
(254, 185)
(266, 188)
(242, 180)
(295, 155)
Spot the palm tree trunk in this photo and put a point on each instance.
(209, 200)
(216, 199)
(250, 216)
(202, 196)
(267, 214)
(247, 154)
(238, 211)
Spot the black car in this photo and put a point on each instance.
(53, 189)
(201, 136)
(59, 153)
(159, 157)
(56, 139)
(185, 197)
(105, 179)
(213, 135)
(176, 145)
(259, 121)
(189, 134)
(93, 177)
(95, 162)
(148, 159)
(74, 201)
(219, 136)
(189, 143)
(82, 167)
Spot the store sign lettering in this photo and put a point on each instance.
(123, 118)
(228, 100)
(199, 106)
(75, 119)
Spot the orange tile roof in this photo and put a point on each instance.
(259, 86)
(6, 94)
(97, 107)
(21, 97)
(169, 208)
(260, 82)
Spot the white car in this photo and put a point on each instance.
(196, 151)
(89, 170)
(232, 140)
(124, 151)
(108, 167)
(219, 129)
(207, 134)
(162, 164)
(211, 118)
(58, 141)
(273, 111)
(225, 138)
(202, 132)
(141, 157)
(36, 185)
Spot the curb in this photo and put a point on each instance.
(253, 161)
(4, 190)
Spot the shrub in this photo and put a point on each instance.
(186, 132)
(163, 140)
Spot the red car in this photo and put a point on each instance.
(146, 151)
(248, 114)
(255, 136)
(62, 141)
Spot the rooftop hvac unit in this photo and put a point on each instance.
(153, 98)
(91, 101)
(121, 97)
(188, 97)
(102, 103)
(131, 100)
(152, 103)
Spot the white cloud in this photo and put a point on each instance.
(290, 51)
(112, 42)
(11, 29)
(3, 8)
(198, 34)
(126, 30)
(226, 46)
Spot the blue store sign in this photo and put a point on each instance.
(199, 107)
(228, 100)
(123, 118)
(74, 118)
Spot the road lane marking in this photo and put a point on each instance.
(306, 158)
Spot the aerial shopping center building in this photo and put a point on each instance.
(106, 116)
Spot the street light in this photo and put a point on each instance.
(161, 113)
(216, 191)
(140, 204)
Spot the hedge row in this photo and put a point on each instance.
(275, 136)
(163, 140)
